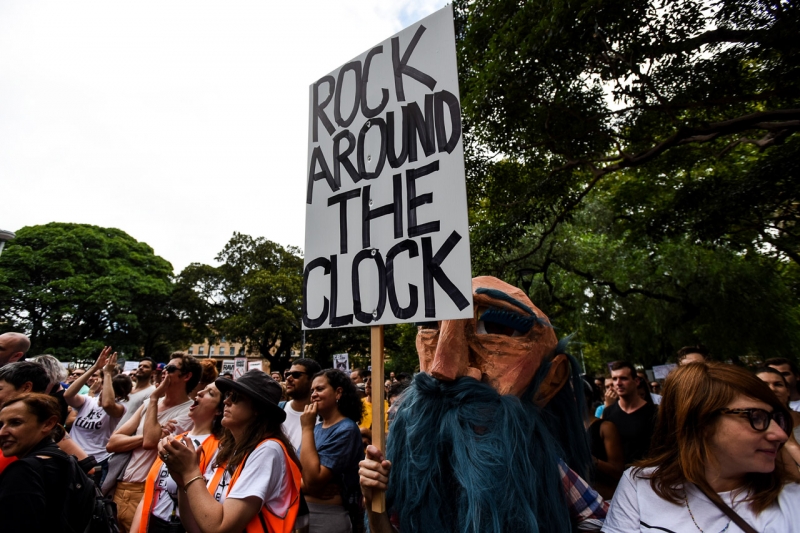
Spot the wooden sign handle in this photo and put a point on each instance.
(378, 415)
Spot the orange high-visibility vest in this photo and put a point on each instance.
(206, 454)
(265, 521)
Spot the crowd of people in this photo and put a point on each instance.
(151, 444)
(714, 447)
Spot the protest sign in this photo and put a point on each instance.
(255, 365)
(239, 367)
(662, 371)
(386, 205)
(341, 362)
(130, 365)
(227, 367)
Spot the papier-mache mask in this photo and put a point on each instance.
(503, 345)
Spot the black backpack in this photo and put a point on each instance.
(86, 510)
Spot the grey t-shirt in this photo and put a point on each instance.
(134, 402)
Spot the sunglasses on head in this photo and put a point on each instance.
(295, 374)
(760, 419)
(171, 368)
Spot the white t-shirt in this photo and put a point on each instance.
(264, 475)
(135, 401)
(93, 427)
(795, 405)
(291, 426)
(165, 495)
(141, 459)
(636, 507)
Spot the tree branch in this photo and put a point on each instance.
(588, 276)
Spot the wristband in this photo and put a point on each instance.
(186, 486)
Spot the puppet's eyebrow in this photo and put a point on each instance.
(499, 295)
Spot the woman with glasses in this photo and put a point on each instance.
(330, 453)
(254, 482)
(97, 418)
(158, 511)
(715, 464)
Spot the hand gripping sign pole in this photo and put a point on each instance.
(386, 202)
(378, 435)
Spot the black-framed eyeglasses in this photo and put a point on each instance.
(169, 369)
(760, 419)
(233, 396)
(294, 374)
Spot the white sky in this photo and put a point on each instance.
(178, 122)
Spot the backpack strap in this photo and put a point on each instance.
(55, 494)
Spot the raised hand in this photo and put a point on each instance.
(102, 359)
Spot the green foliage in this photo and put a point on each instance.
(255, 294)
(398, 339)
(641, 159)
(74, 288)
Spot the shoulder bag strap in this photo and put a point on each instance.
(733, 515)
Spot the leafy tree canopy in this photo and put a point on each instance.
(254, 295)
(640, 161)
(74, 288)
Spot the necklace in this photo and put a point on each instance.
(685, 499)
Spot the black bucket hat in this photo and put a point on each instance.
(262, 390)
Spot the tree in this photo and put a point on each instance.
(640, 159)
(254, 295)
(576, 91)
(75, 287)
(399, 346)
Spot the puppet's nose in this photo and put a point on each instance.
(452, 352)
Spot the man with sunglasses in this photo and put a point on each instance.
(298, 389)
(183, 373)
(73, 375)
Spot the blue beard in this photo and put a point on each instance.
(466, 459)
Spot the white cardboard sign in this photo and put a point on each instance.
(239, 367)
(341, 362)
(387, 236)
(662, 371)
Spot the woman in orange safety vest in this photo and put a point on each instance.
(158, 510)
(255, 478)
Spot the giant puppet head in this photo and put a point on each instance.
(476, 441)
(504, 344)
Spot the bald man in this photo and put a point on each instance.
(13, 347)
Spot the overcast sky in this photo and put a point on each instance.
(177, 122)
